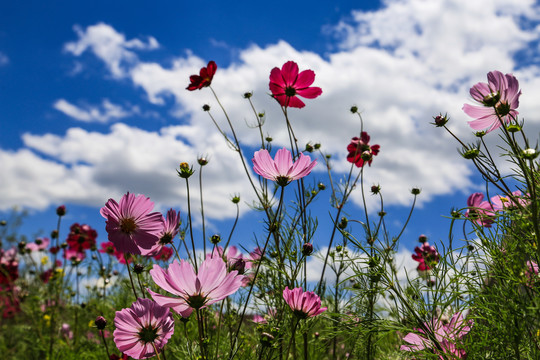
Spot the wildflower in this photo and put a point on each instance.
(282, 170)
(9, 266)
(479, 211)
(166, 235)
(287, 83)
(81, 237)
(61, 210)
(39, 244)
(204, 78)
(499, 99)
(100, 322)
(108, 248)
(446, 334)
(427, 256)
(66, 332)
(130, 225)
(164, 253)
(142, 327)
(360, 151)
(211, 284)
(74, 255)
(505, 202)
(303, 304)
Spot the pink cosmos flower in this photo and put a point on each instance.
(74, 255)
(167, 234)
(479, 211)
(287, 83)
(448, 335)
(204, 78)
(303, 304)
(505, 202)
(360, 151)
(282, 170)
(427, 256)
(498, 98)
(66, 332)
(39, 245)
(143, 324)
(130, 225)
(194, 290)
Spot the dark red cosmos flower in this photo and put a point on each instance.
(204, 78)
(360, 151)
(286, 83)
(426, 255)
(81, 237)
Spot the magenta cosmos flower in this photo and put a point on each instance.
(141, 327)
(360, 152)
(194, 290)
(282, 170)
(287, 83)
(130, 225)
(448, 335)
(498, 98)
(204, 78)
(303, 304)
(427, 256)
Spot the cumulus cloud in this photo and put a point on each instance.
(109, 46)
(107, 111)
(400, 64)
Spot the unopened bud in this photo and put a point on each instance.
(343, 223)
(375, 189)
(202, 161)
(321, 186)
(247, 95)
(422, 239)
(307, 249)
(138, 268)
(471, 154)
(440, 120)
(185, 170)
(61, 210)
(206, 107)
(215, 239)
(309, 147)
(354, 109)
(513, 128)
(415, 191)
(101, 322)
(269, 139)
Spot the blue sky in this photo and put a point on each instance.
(93, 100)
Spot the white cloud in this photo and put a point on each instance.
(109, 46)
(401, 65)
(88, 113)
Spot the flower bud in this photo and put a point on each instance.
(317, 146)
(269, 139)
(3, 223)
(513, 128)
(343, 223)
(239, 265)
(422, 239)
(54, 234)
(138, 268)
(367, 155)
(375, 189)
(206, 107)
(321, 186)
(479, 134)
(440, 120)
(235, 199)
(215, 239)
(202, 161)
(248, 95)
(309, 147)
(100, 322)
(530, 154)
(354, 109)
(471, 154)
(307, 249)
(185, 170)
(415, 191)
(61, 210)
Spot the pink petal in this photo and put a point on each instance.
(289, 71)
(305, 79)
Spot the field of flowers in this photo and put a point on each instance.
(154, 290)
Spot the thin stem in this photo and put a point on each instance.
(130, 277)
(190, 227)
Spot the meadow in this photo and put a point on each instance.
(155, 290)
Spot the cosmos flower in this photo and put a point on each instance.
(360, 151)
(501, 202)
(130, 225)
(282, 170)
(303, 304)
(427, 256)
(141, 327)
(167, 234)
(286, 84)
(499, 98)
(204, 78)
(108, 248)
(479, 211)
(448, 335)
(81, 237)
(40, 244)
(211, 284)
